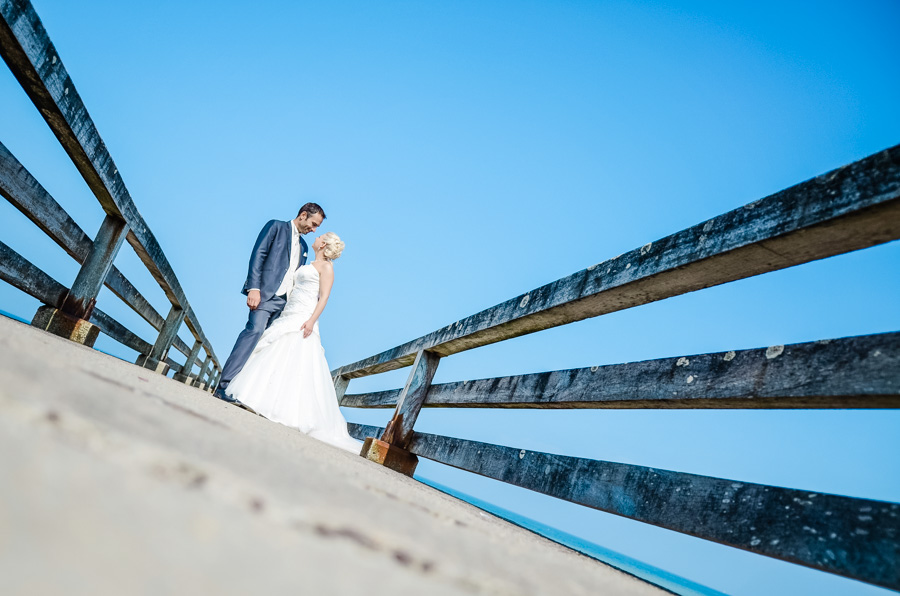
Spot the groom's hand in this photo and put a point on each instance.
(253, 299)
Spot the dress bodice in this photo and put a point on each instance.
(305, 293)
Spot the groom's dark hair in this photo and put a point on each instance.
(311, 209)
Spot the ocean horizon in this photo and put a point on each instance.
(654, 575)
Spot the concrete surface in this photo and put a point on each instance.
(115, 480)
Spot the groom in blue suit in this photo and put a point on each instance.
(278, 251)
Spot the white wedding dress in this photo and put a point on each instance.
(287, 379)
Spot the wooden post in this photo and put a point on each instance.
(340, 387)
(71, 318)
(198, 382)
(212, 378)
(184, 375)
(156, 359)
(391, 449)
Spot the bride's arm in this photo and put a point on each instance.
(326, 280)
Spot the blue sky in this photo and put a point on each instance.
(468, 152)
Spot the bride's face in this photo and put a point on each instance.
(319, 244)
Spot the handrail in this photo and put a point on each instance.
(794, 226)
(853, 372)
(27, 50)
(850, 208)
(26, 194)
(855, 538)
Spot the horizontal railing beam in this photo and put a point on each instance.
(26, 194)
(27, 50)
(855, 538)
(847, 209)
(852, 372)
(17, 271)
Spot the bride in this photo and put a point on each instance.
(286, 378)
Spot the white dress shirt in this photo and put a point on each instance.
(287, 284)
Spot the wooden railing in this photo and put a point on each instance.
(850, 208)
(70, 311)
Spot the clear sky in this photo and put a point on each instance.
(468, 152)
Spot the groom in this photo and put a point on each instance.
(278, 252)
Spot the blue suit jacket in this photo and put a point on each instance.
(271, 258)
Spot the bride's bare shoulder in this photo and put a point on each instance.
(324, 267)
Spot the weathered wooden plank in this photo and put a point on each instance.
(202, 376)
(17, 271)
(400, 428)
(850, 208)
(118, 332)
(185, 371)
(167, 335)
(80, 300)
(34, 61)
(22, 274)
(856, 538)
(852, 372)
(340, 388)
(26, 194)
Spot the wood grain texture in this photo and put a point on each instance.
(847, 209)
(167, 335)
(852, 372)
(22, 274)
(400, 428)
(26, 194)
(27, 50)
(855, 538)
(79, 302)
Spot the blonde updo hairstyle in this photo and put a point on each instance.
(334, 246)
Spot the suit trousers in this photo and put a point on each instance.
(257, 322)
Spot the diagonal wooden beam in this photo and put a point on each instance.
(22, 274)
(847, 209)
(855, 538)
(27, 50)
(26, 194)
(852, 372)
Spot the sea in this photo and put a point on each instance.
(654, 575)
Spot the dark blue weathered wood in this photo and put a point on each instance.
(26, 194)
(79, 302)
(856, 538)
(34, 61)
(17, 271)
(847, 209)
(167, 334)
(189, 362)
(852, 372)
(340, 388)
(400, 428)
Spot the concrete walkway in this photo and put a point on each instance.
(115, 480)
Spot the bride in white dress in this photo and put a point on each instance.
(286, 378)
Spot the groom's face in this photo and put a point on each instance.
(307, 223)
